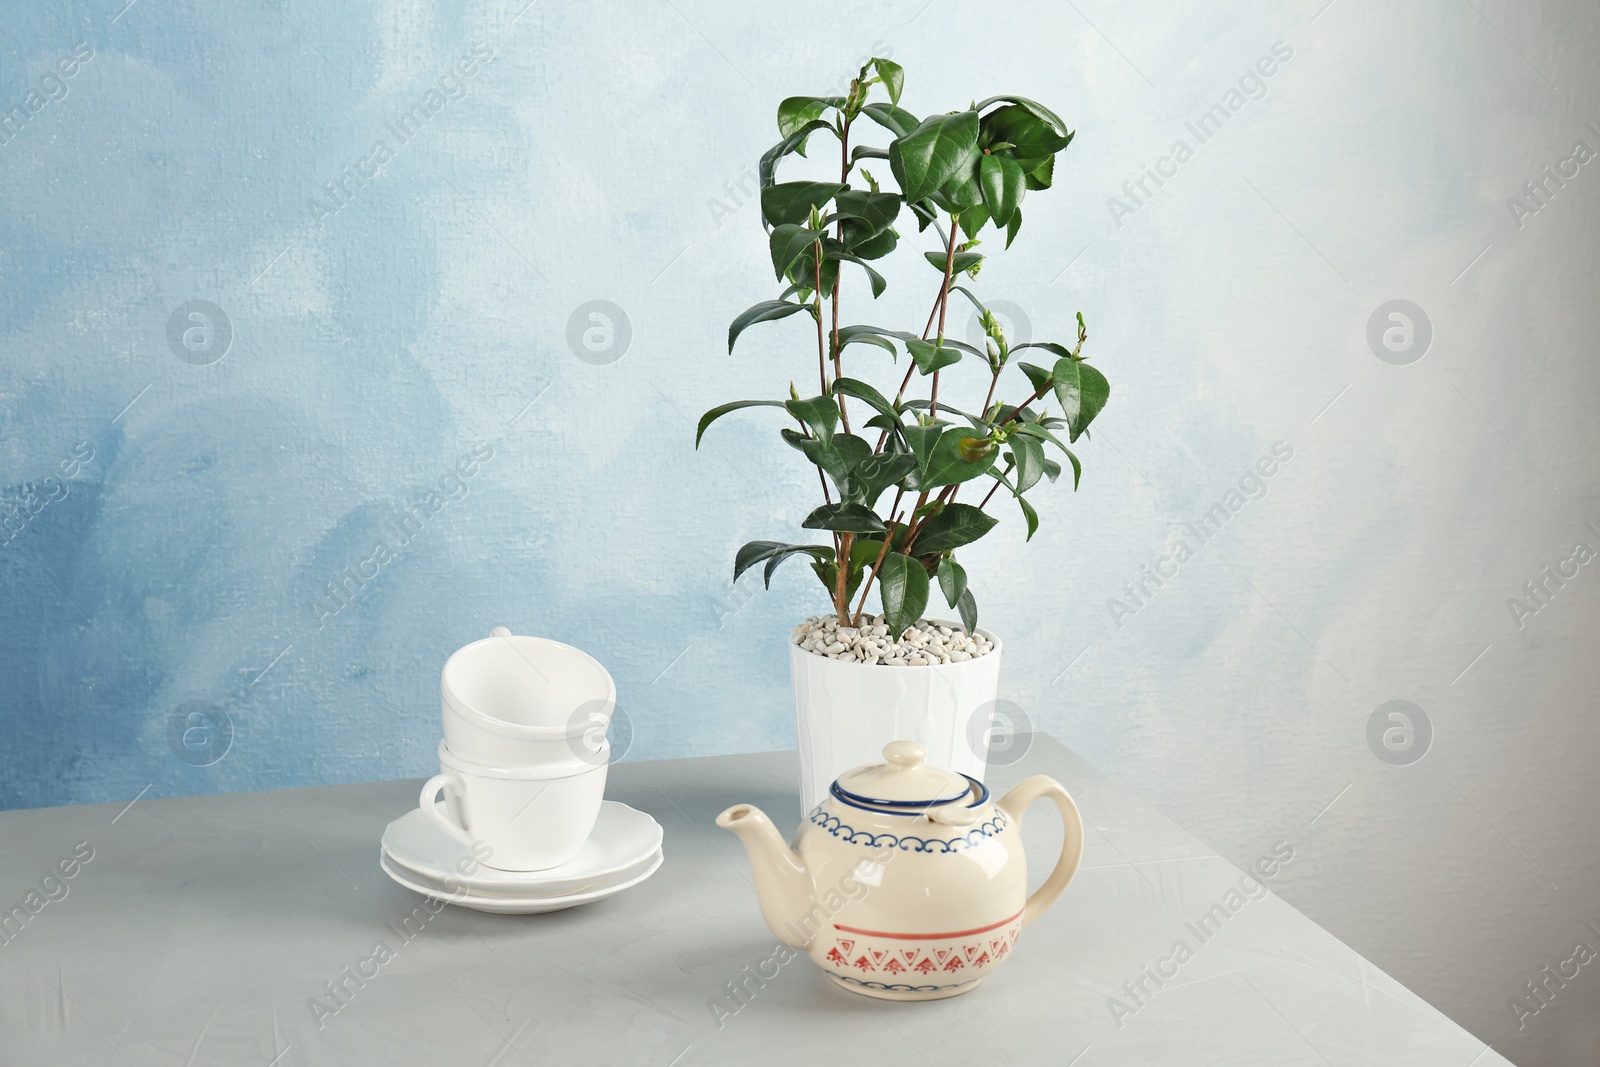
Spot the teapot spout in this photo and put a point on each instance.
(783, 885)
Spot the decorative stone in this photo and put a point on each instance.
(871, 643)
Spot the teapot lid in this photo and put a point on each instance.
(904, 781)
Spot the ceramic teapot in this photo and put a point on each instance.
(907, 882)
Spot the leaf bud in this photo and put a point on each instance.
(975, 449)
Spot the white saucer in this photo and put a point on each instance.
(514, 905)
(455, 886)
(621, 845)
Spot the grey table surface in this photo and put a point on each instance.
(203, 928)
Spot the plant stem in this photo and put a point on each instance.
(844, 175)
(827, 498)
(927, 327)
(984, 411)
(841, 578)
(990, 493)
(1037, 393)
(877, 563)
(822, 354)
(939, 303)
(944, 304)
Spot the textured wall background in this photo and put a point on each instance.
(180, 502)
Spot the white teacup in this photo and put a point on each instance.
(515, 701)
(530, 819)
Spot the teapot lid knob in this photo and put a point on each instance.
(904, 753)
(903, 780)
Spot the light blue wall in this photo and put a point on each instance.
(594, 152)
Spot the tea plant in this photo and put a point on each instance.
(956, 173)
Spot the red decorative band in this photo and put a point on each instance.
(928, 937)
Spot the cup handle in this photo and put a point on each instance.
(428, 802)
(1014, 804)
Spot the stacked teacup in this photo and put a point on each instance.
(522, 782)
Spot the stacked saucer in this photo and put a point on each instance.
(623, 850)
(515, 821)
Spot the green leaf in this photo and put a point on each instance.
(867, 245)
(1029, 140)
(940, 147)
(804, 267)
(766, 311)
(821, 413)
(864, 553)
(896, 120)
(930, 356)
(717, 412)
(794, 142)
(964, 291)
(836, 457)
(956, 525)
(973, 219)
(756, 551)
(957, 457)
(788, 242)
(952, 580)
(869, 477)
(877, 210)
(791, 202)
(1038, 431)
(1058, 350)
(874, 279)
(903, 590)
(796, 112)
(844, 517)
(1082, 391)
(1030, 462)
(922, 406)
(969, 611)
(866, 151)
(872, 335)
(1032, 107)
(893, 75)
(862, 391)
(924, 214)
(1031, 516)
(923, 440)
(1041, 176)
(1016, 224)
(1038, 377)
(961, 193)
(1003, 182)
(1077, 469)
(959, 262)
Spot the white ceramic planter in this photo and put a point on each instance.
(845, 712)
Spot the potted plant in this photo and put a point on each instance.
(861, 680)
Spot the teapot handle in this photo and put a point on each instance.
(1014, 804)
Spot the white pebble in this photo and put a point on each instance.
(873, 644)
